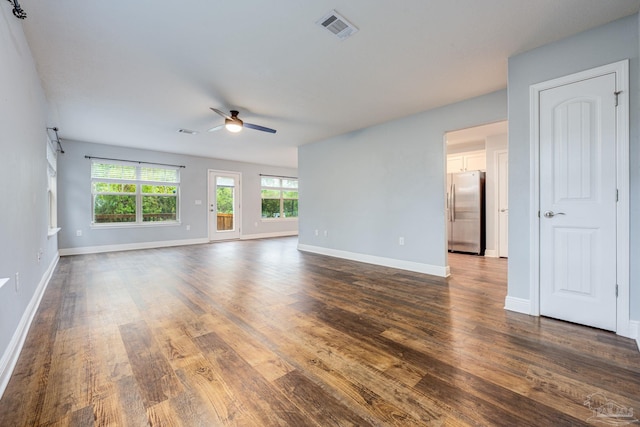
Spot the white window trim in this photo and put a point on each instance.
(52, 188)
(138, 182)
(281, 189)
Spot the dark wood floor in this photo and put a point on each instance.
(255, 333)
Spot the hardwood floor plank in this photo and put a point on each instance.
(130, 402)
(155, 378)
(221, 405)
(328, 370)
(69, 382)
(162, 415)
(256, 333)
(268, 404)
(106, 410)
(317, 403)
(368, 389)
(83, 417)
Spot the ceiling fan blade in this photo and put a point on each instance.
(223, 114)
(258, 127)
(215, 128)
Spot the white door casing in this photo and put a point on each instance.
(577, 259)
(502, 200)
(227, 226)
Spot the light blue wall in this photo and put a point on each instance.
(370, 187)
(24, 219)
(607, 44)
(74, 185)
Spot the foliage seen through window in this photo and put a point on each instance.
(134, 194)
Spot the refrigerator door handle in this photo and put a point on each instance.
(452, 210)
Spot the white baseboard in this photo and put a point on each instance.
(490, 253)
(376, 260)
(269, 235)
(130, 246)
(519, 305)
(11, 354)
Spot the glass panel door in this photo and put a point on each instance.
(224, 205)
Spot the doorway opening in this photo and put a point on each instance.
(224, 205)
(483, 150)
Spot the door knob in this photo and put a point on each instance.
(551, 214)
(504, 210)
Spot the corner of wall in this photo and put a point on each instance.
(518, 305)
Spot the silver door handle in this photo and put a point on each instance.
(551, 214)
(504, 210)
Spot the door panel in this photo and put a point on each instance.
(224, 205)
(578, 202)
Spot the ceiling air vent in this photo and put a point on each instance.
(337, 24)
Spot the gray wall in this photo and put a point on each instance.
(610, 43)
(370, 187)
(24, 220)
(74, 188)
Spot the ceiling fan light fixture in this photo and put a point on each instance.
(233, 125)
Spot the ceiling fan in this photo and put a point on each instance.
(234, 124)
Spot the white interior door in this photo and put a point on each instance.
(578, 202)
(224, 205)
(503, 204)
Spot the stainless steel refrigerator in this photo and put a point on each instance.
(465, 212)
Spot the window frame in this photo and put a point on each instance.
(281, 189)
(138, 182)
(52, 188)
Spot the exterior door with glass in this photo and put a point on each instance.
(224, 205)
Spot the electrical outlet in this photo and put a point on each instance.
(188, 227)
(78, 233)
(401, 241)
(326, 233)
(17, 281)
(317, 232)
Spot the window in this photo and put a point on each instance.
(52, 188)
(279, 197)
(123, 193)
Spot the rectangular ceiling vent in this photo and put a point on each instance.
(337, 24)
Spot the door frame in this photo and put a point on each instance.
(621, 70)
(496, 207)
(238, 217)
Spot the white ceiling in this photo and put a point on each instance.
(132, 73)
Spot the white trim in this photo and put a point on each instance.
(235, 234)
(11, 354)
(491, 253)
(53, 231)
(376, 260)
(534, 202)
(269, 235)
(130, 246)
(621, 69)
(496, 198)
(519, 305)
